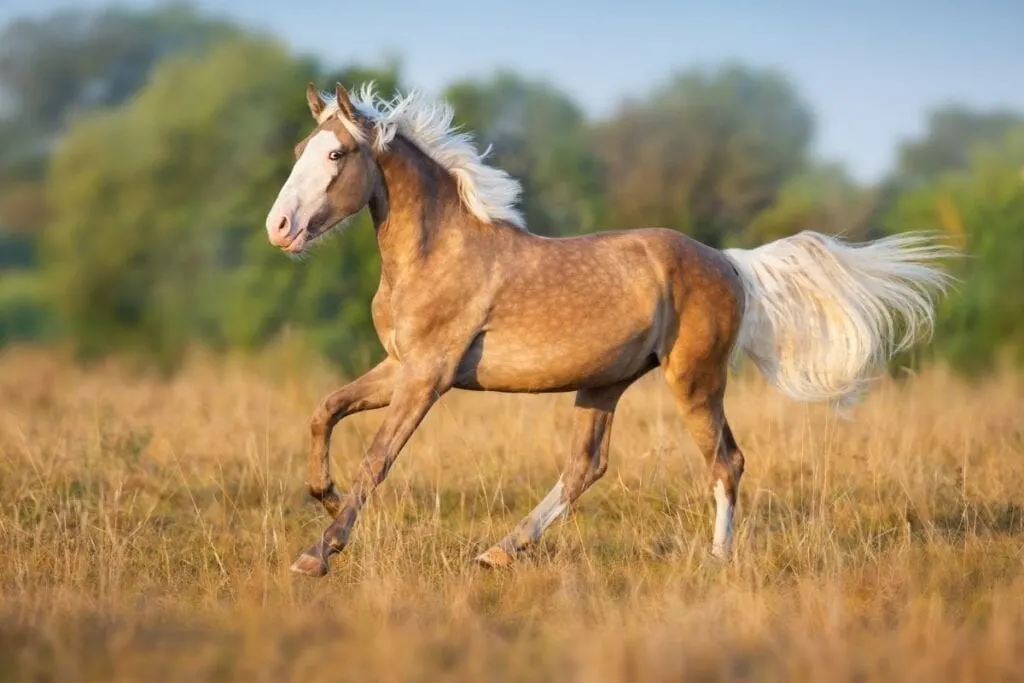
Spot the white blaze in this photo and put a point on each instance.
(305, 191)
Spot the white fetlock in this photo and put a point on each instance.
(722, 544)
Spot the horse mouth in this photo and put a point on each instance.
(298, 244)
(309, 235)
(304, 239)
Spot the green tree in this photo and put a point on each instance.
(980, 208)
(62, 66)
(953, 132)
(705, 153)
(822, 198)
(148, 198)
(74, 61)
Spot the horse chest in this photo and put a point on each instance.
(424, 322)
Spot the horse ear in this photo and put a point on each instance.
(344, 102)
(316, 103)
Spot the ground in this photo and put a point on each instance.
(146, 528)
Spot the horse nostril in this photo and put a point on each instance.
(281, 233)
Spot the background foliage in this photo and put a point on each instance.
(140, 150)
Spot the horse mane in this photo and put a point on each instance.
(489, 193)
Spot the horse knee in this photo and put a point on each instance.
(321, 421)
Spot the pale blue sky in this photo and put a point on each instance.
(869, 69)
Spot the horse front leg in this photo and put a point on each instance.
(413, 395)
(371, 391)
(588, 461)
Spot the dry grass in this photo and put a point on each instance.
(146, 529)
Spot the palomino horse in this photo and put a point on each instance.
(468, 298)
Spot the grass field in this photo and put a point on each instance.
(146, 529)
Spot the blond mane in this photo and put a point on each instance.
(489, 193)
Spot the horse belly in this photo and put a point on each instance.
(511, 362)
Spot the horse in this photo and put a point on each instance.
(470, 299)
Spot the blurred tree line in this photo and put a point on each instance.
(140, 151)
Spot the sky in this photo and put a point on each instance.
(870, 70)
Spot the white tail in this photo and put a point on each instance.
(822, 316)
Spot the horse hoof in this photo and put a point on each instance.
(309, 564)
(495, 558)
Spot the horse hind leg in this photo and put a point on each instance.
(700, 398)
(588, 461)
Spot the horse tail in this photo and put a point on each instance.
(822, 316)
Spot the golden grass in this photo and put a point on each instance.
(146, 529)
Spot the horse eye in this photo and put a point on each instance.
(334, 156)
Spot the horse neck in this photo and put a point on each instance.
(413, 200)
